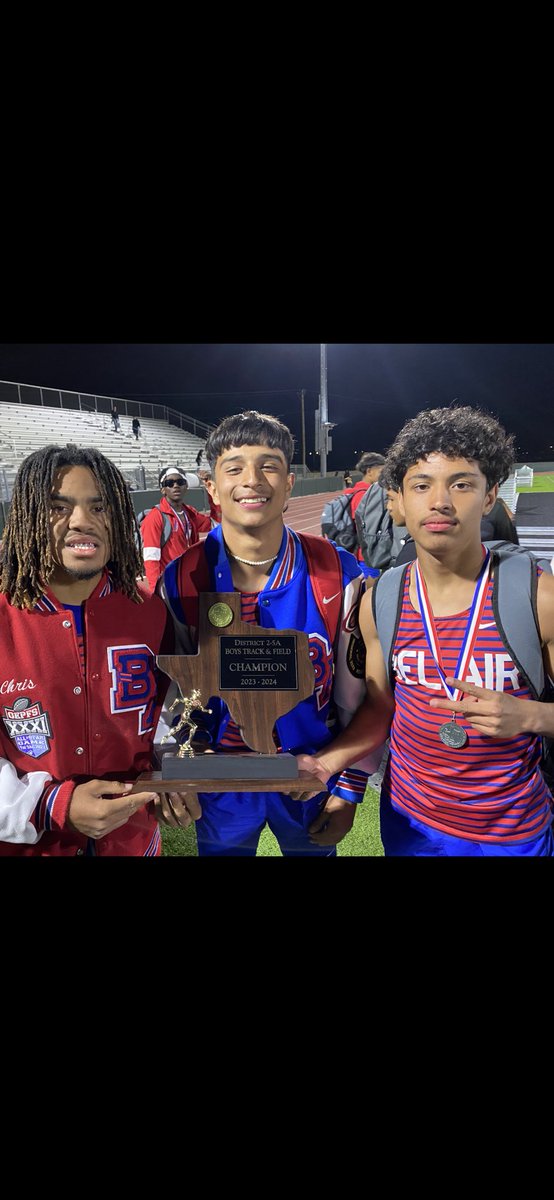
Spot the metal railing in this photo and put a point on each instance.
(25, 393)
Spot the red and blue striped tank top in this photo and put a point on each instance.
(492, 788)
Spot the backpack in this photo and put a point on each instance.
(498, 526)
(374, 528)
(337, 522)
(515, 582)
(166, 530)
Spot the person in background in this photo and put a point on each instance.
(215, 509)
(186, 524)
(115, 418)
(199, 456)
(370, 465)
(136, 428)
(403, 545)
(254, 553)
(347, 479)
(81, 692)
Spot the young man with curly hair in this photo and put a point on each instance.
(463, 775)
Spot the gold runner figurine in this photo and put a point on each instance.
(190, 704)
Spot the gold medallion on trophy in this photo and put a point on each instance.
(220, 615)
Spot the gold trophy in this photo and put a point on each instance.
(190, 704)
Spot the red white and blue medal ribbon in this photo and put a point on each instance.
(468, 640)
(184, 523)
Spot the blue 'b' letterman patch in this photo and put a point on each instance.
(134, 683)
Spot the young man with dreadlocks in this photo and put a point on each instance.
(80, 694)
(463, 776)
(254, 553)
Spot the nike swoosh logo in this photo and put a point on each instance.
(488, 625)
(327, 599)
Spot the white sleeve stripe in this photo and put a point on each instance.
(151, 554)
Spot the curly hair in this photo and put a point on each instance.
(249, 428)
(456, 432)
(27, 561)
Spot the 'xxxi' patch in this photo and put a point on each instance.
(28, 726)
(355, 656)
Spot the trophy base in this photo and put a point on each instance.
(228, 772)
(230, 766)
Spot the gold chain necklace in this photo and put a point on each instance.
(249, 563)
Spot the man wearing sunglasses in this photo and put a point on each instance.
(186, 525)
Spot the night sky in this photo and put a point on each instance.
(372, 388)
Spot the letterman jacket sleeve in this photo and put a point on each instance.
(151, 533)
(19, 800)
(349, 689)
(31, 804)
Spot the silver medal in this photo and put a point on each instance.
(452, 735)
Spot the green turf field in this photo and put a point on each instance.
(541, 483)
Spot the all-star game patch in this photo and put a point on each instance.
(355, 657)
(28, 726)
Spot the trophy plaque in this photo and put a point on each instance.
(260, 674)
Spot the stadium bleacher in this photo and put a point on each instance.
(28, 421)
(26, 427)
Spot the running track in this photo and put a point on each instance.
(304, 512)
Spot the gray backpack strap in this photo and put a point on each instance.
(515, 577)
(506, 549)
(166, 531)
(386, 604)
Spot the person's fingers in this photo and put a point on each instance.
(164, 811)
(138, 800)
(107, 787)
(182, 818)
(188, 801)
(321, 822)
(177, 810)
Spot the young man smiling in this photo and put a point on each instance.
(463, 775)
(80, 693)
(253, 552)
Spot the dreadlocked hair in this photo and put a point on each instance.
(27, 561)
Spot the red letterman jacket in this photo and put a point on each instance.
(82, 722)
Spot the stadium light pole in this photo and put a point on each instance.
(323, 410)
